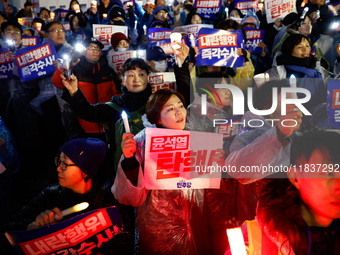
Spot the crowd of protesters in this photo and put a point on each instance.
(62, 139)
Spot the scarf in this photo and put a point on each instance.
(309, 62)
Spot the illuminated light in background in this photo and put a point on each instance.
(79, 47)
(292, 82)
(236, 241)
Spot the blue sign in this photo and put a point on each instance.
(254, 36)
(6, 65)
(88, 233)
(218, 48)
(333, 102)
(28, 41)
(36, 61)
(208, 8)
(246, 6)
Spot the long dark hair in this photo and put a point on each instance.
(156, 103)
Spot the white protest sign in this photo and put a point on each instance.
(177, 159)
(116, 58)
(104, 32)
(25, 21)
(162, 81)
(193, 29)
(278, 9)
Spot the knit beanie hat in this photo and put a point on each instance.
(86, 153)
(116, 38)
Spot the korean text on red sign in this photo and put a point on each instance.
(84, 234)
(162, 81)
(104, 32)
(36, 61)
(218, 47)
(171, 156)
(6, 65)
(208, 8)
(278, 9)
(254, 37)
(333, 103)
(246, 6)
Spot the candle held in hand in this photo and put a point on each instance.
(73, 209)
(126, 122)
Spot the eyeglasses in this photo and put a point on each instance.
(8, 32)
(92, 48)
(57, 31)
(62, 164)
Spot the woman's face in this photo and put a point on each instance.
(44, 15)
(235, 14)
(302, 50)
(196, 19)
(75, 23)
(27, 32)
(306, 27)
(224, 95)
(161, 15)
(173, 114)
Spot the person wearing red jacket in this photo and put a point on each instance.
(98, 81)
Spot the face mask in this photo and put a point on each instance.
(188, 6)
(122, 49)
(161, 66)
(118, 23)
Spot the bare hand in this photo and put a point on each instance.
(263, 46)
(219, 157)
(240, 53)
(128, 145)
(47, 217)
(289, 126)
(11, 55)
(278, 22)
(71, 85)
(182, 52)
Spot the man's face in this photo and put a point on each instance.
(56, 34)
(320, 188)
(136, 80)
(12, 33)
(92, 53)
(44, 15)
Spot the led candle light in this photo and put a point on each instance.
(126, 122)
(135, 24)
(266, 77)
(73, 209)
(176, 37)
(192, 40)
(292, 82)
(144, 27)
(236, 241)
(305, 10)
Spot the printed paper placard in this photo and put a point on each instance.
(218, 47)
(193, 29)
(228, 130)
(174, 158)
(254, 37)
(36, 61)
(28, 41)
(208, 8)
(25, 21)
(6, 65)
(278, 9)
(246, 6)
(116, 59)
(333, 102)
(162, 81)
(156, 35)
(83, 234)
(104, 32)
(63, 13)
(67, 28)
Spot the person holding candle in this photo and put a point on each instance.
(167, 220)
(77, 167)
(135, 93)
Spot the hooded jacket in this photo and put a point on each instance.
(98, 81)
